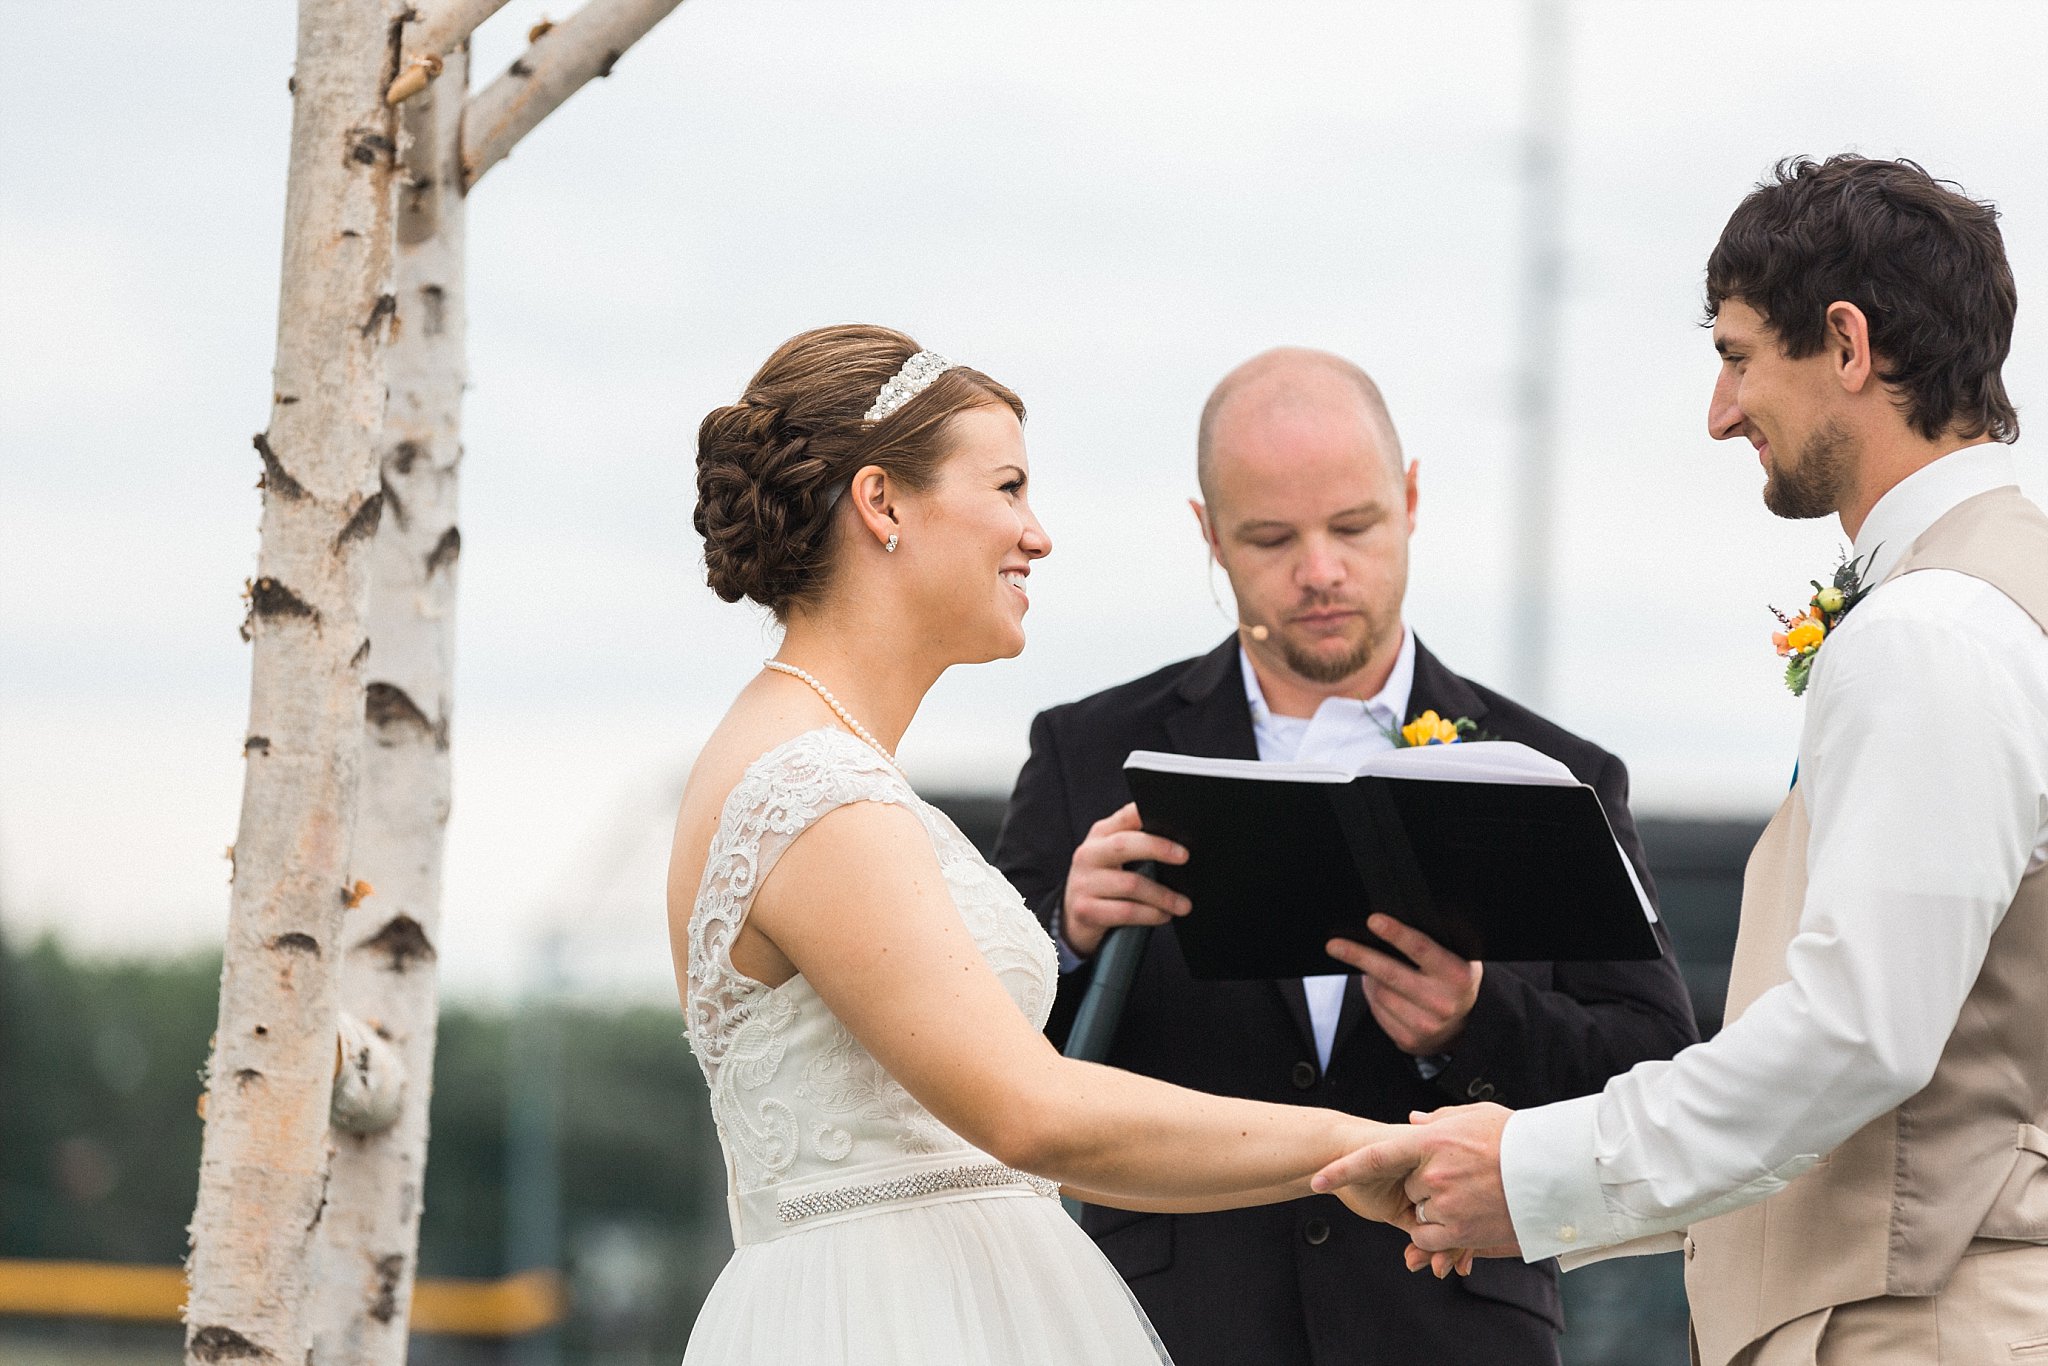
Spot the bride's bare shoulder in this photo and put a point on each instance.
(748, 733)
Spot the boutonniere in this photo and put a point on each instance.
(1431, 729)
(1799, 643)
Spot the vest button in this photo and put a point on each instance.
(1304, 1075)
(1691, 1249)
(1316, 1231)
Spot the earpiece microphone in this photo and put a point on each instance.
(1256, 632)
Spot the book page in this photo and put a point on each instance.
(1203, 767)
(1471, 761)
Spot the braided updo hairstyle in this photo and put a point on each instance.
(770, 466)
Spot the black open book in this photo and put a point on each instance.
(1489, 848)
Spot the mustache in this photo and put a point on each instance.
(1323, 602)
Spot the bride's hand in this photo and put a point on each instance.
(1374, 1174)
(1381, 1199)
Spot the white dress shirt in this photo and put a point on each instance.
(1924, 764)
(1343, 733)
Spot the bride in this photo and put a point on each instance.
(863, 992)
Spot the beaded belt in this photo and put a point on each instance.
(765, 1214)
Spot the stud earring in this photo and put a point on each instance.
(890, 544)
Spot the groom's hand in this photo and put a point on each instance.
(1102, 894)
(1422, 1008)
(1448, 1169)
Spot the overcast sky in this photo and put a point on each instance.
(1105, 206)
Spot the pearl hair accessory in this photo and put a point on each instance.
(913, 379)
(838, 710)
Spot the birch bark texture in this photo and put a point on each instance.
(307, 1226)
(264, 1158)
(368, 1242)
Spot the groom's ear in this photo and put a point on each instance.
(1847, 341)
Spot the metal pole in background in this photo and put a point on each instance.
(533, 1160)
(1539, 341)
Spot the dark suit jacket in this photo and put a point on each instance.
(1306, 1281)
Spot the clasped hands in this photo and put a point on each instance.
(1438, 1181)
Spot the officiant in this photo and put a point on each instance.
(1307, 505)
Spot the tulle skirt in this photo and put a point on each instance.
(998, 1280)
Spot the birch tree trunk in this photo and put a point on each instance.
(307, 1225)
(264, 1160)
(388, 970)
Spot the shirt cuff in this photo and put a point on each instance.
(1069, 960)
(1552, 1183)
(1649, 1245)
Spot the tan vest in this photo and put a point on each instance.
(1891, 1210)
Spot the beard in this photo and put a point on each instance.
(1817, 485)
(1327, 669)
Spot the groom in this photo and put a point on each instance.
(1307, 506)
(1860, 1159)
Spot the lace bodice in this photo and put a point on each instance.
(795, 1096)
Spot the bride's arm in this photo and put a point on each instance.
(858, 905)
(1186, 1204)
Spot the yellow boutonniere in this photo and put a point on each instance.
(1431, 729)
(1799, 643)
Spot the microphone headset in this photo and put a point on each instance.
(1255, 630)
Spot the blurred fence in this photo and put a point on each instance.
(99, 1150)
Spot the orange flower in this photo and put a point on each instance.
(1806, 635)
(1430, 729)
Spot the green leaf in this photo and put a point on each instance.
(1796, 673)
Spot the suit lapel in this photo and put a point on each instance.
(1216, 722)
(1215, 719)
(1439, 690)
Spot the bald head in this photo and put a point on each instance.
(1291, 386)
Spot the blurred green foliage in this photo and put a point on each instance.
(99, 1139)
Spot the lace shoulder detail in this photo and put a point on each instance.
(781, 794)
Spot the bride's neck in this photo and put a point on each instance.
(876, 674)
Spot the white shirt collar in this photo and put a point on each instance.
(1391, 699)
(1919, 500)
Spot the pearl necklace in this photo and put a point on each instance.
(837, 708)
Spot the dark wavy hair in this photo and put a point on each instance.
(771, 468)
(1924, 261)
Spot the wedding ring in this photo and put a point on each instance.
(1422, 1212)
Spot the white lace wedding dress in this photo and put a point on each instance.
(865, 1231)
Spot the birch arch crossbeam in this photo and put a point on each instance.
(314, 1156)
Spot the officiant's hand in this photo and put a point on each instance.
(1422, 1008)
(1102, 894)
